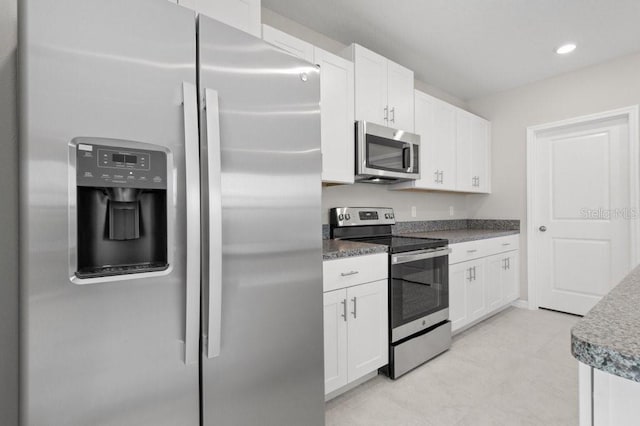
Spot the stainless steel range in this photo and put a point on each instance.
(419, 326)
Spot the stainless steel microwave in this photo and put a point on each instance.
(386, 155)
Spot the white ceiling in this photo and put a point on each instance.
(473, 48)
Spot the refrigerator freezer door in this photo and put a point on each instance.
(269, 370)
(112, 352)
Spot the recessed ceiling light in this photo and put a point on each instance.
(566, 48)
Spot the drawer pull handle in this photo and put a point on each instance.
(506, 244)
(346, 274)
(471, 251)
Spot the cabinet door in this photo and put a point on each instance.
(242, 14)
(511, 277)
(400, 97)
(335, 340)
(337, 116)
(458, 275)
(370, 86)
(476, 293)
(435, 123)
(287, 42)
(480, 154)
(464, 170)
(424, 107)
(444, 139)
(496, 267)
(368, 328)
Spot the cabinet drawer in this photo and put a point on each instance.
(341, 273)
(461, 252)
(502, 244)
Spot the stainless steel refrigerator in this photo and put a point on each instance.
(170, 221)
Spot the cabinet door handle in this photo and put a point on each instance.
(386, 113)
(508, 263)
(344, 309)
(346, 274)
(393, 114)
(441, 176)
(355, 306)
(474, 273)
(437, 173)
(469, 277)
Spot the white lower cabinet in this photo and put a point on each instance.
(486, 282)
(607, 399)
(355, 333)
(458, 295)
(335, 340)
(475, 283)
(355, 322)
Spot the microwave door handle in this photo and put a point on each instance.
(192, 188)
(407, 150)
(214, 219)
(410, 170)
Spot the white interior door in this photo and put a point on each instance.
(582, 209)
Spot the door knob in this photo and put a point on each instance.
(542, 228)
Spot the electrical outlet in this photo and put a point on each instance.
(414, 211)
(451, 211)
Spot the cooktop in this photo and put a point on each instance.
(403, 244)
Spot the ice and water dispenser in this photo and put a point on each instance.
(121, 210)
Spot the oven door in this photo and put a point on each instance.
(419, 291)
(388, 153)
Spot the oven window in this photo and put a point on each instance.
(387, 154)
(418, 289)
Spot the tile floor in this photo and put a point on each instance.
(513, 369)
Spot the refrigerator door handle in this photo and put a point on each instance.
(192, 188)
(212, 116)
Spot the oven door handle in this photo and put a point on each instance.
(421, 255)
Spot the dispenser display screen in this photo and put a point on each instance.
(121, 158)
(118, 159)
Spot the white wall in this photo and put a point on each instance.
(429, 205)
(8, 217)
(595, 89)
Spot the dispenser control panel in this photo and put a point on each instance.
(109, 166)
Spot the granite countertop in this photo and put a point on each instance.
(608, 337)
(462, 235)
(336, 249)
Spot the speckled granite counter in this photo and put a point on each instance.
(608, 337)
(336, 249)
(462, 235)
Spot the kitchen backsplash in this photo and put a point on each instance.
(447, 225)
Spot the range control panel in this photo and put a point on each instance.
(360, 216)
(109, 166)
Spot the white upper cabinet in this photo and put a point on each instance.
(370, 86)
(474, 150)
(336, 110)
(400, 97)
(383, 89)
(455, 148)
(242, 14)
(287, 42)
(436, 125)
(336, 103)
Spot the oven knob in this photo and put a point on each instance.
(391, 216)
(386, 215)
(341, 217)
(347, 216)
